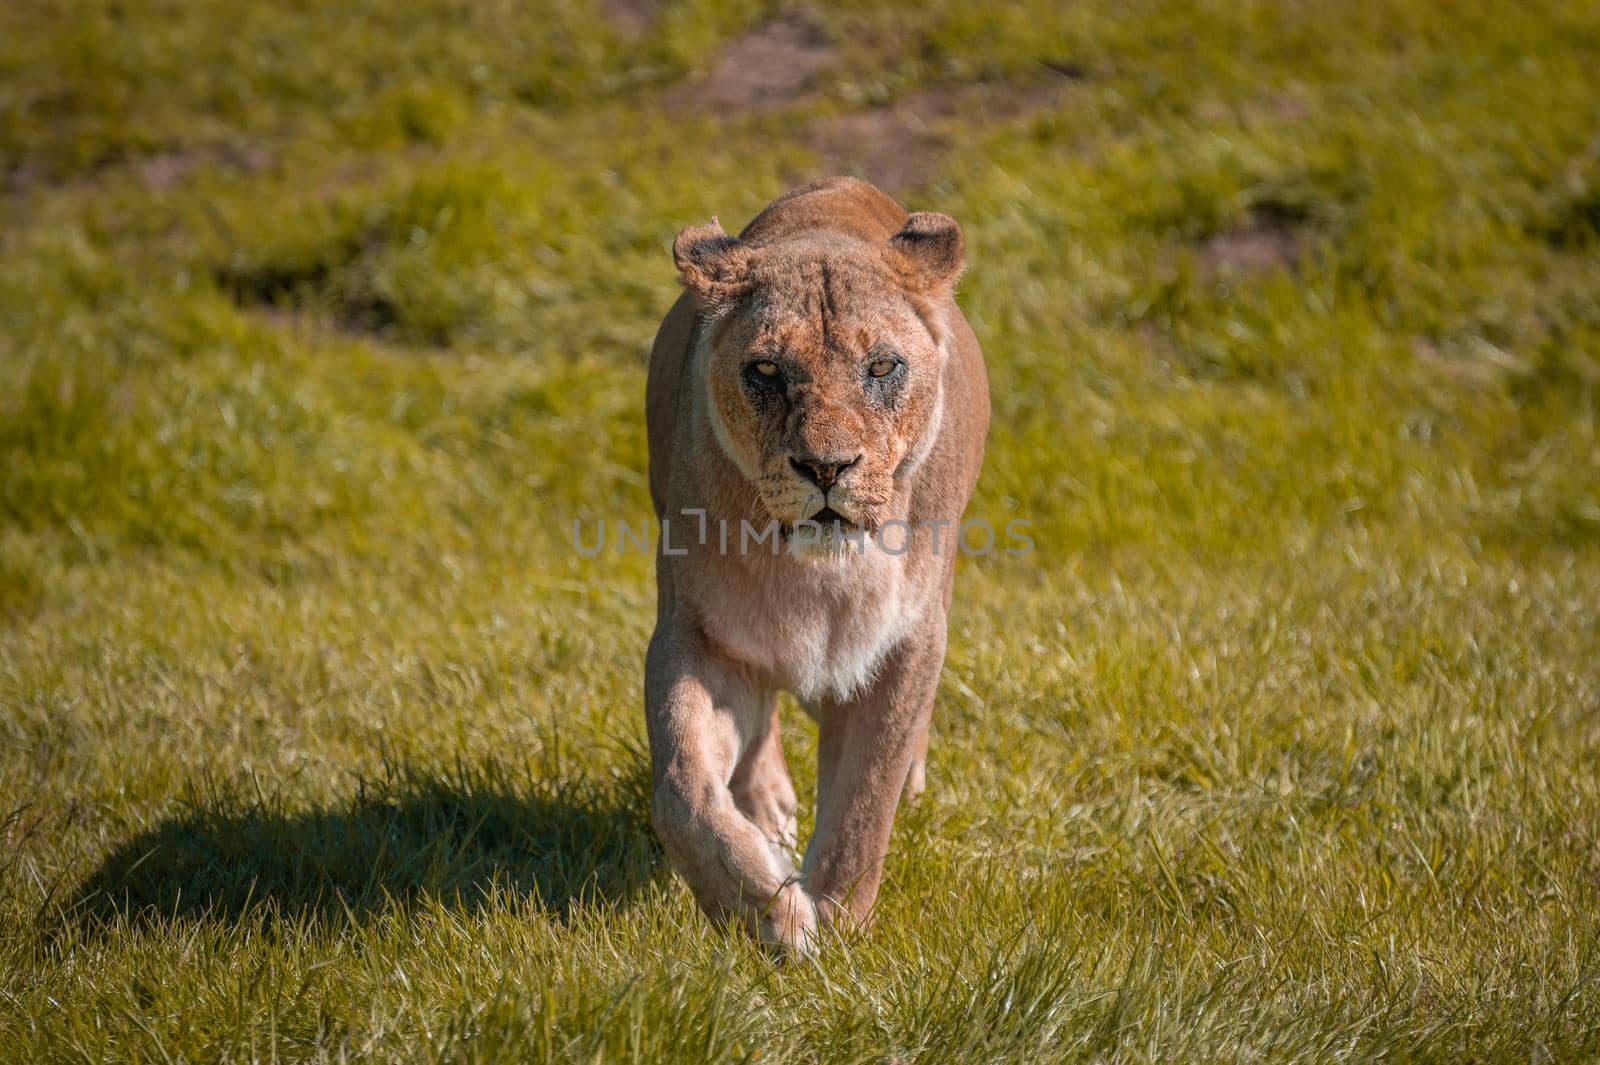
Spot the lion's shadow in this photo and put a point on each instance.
(457, 838)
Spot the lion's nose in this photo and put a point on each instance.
(822, 470)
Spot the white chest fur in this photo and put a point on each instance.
(820, 627)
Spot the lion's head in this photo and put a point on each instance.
(825, 361)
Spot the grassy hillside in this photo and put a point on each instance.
(321, 324)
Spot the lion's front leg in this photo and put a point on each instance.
(761, 785)
(917, 775)
(703, 714)
(866, 751)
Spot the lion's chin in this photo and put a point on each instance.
(828, 545)
(827, 534)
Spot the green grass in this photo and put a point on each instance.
(320, 325)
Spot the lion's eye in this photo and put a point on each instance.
(766, 368)
(881, 367)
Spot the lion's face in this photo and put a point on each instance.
(823, 384)
(824, 368)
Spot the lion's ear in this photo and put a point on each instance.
(930, 251)
(712, 265)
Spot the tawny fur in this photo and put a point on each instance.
(830, 277)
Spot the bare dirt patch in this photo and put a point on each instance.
(630, 17)
(1257, 247)
(899, 145)
(160, 171)
(166, 170)
(774, 64)
(892, 147)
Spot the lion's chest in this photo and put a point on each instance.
(820, 628)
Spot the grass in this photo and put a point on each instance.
(318, 740)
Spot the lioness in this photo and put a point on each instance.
(816, 386)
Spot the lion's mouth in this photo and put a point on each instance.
(826, 518)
